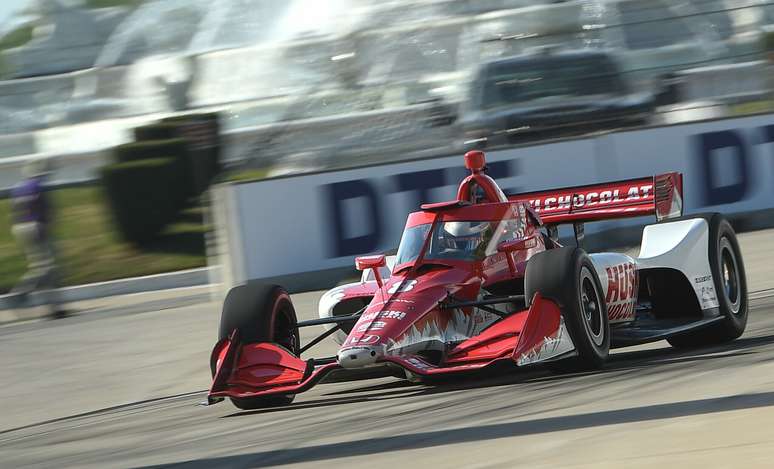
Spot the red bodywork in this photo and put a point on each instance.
(406, 317)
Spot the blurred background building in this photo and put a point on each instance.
(304, 85)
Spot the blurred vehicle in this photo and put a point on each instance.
(550, 94)
(651, 38)
(482, 280)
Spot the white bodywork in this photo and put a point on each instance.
(681, 245)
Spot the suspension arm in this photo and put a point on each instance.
(330, 320)
(319, 339)
(488, 301)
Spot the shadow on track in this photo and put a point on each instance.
(117, 408)
(483, 432)
(619, 366)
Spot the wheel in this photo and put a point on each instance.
(730, 283)
(261, 313)
(567, 276)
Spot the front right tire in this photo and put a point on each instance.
(567, 276)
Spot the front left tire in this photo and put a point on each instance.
(260, 312)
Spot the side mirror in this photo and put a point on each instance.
(372, 262)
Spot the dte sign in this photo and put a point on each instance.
(725, 165)
(375, 212)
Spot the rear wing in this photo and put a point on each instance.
(660, 195)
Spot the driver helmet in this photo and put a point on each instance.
(464, 235)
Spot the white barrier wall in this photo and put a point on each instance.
(726, 82)
(728, 164)
(299, 225)
(70, 168)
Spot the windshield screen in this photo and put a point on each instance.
(519, 82)
(457, 240)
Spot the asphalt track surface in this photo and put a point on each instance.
(119, 384)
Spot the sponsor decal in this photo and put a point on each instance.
(622, 282)
(369, 316)
(498, 258)
(401, 286)
(417, 363)
(622, 286)
(620, 311)
(708, 297)
(592, 198)
(376, 325)
(364, 340)
(702, 279)
(388, 314)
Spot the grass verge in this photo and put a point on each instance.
(112, 3)
(17, 37)
(90, 250)
(244, 175)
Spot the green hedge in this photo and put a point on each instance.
(208, 154)
(156, 131)
(153, 178)
(202, 116)
(175, 148)
(768, 41)
(201, 132)
(144, 196)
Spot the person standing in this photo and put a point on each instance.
(32, 227)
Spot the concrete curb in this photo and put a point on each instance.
(150, 283)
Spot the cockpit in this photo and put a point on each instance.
(468, 229)
(458, 239)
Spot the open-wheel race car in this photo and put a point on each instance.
(483, 279)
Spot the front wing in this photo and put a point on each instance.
(535, 335)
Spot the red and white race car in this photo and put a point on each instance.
(483, 279)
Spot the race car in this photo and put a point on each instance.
(483, 280)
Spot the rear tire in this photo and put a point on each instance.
(730, 284)
(260, 313)
(568, 277)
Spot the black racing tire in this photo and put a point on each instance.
(261, 312)
(567, 276)
(730, 283)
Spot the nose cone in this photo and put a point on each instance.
(358, 357)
